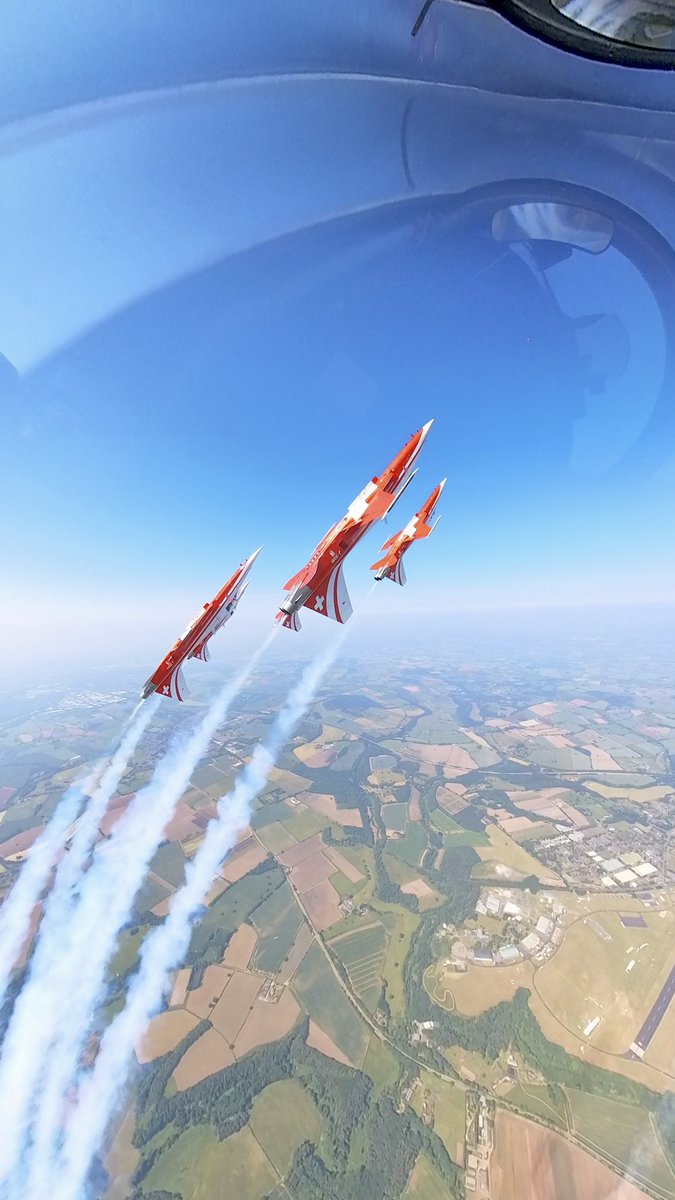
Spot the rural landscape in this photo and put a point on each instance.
(442, 950)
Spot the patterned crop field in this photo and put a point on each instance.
(362, 954)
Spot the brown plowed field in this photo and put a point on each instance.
(311, 871)
(321, 903)
(303, 850)
(318, 1040)
(530, 1162)
(343, 864)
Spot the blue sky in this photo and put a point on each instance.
(179, 403)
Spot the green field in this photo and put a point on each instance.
(126, 955)
(438, 729)
(197, 1165)
(465, 837)
(344, 886)
(536, 1099)
(347, 758)
(277, 920)
(447, 1103)
(441, 821)
(233, 906)
(395, 817)
(382, 762)
(380, 1063)
(425, 1183)
(149, 894)
(400, 925)
(624, 1133)
(283, 1116)
(169, 864)
(304, 823)
(398, 871)
(276, 837)
(362, 954)
(411, 846)
(277, 810)
(320, 994)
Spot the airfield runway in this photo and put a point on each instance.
(654, 1016)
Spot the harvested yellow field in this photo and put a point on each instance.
(386, 778)
(209, 1054)
(305, 752)
(122, 1159)
(248, 854)
(202, 999)
(473, 991)
(331, 733)
(267, 1023)
(504, 850)
(240, 947)
(164, 1033)
(235, 1003)
(180, 987)
(217, 888)
(655, 792)
(455, 757)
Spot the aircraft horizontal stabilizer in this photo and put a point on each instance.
(331, 599)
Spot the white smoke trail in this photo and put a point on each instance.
(15, 913)
(52, 1015)
(164, 949)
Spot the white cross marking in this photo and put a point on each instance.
(319, 605)
(166, 690)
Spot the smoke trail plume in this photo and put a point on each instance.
(165, 948)
(52, 1015)
(15, 913)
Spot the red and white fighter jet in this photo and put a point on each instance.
(320, 586)
(391, 566)
(168, 678)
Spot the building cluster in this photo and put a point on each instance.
(544, 932)
(605, 856)
(479, 1140)
(420, 1033)
(626, 869)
